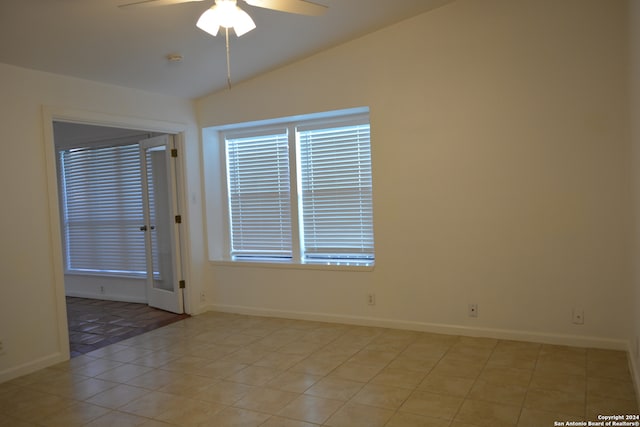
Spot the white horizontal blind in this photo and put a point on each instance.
(102, 210)
(336, 193)
(259, 195)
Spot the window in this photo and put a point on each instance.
(300, 192)
(102, 210)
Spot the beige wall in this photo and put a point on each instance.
(30, 298)
(634, 98)
(501, 173)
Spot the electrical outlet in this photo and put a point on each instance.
(203, 297)
(1, 347)
(578, 316)
(102, 289)
(371, 299)
(473, 310)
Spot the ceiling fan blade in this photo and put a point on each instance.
(301, 7)
(152, 3)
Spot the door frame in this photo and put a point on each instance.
(51, 114)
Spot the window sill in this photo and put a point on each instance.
(292, 266)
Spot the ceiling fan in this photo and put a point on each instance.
(226, 14)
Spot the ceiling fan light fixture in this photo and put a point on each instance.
(226, 14)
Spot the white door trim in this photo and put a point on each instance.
(62, 114)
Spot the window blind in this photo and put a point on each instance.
(259, 195)
(102, 210)
(336, 193)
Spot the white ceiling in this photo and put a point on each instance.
(96, 40)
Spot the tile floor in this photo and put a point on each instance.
(94, 323)
(221, 370)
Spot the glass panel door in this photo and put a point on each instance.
(161, 230)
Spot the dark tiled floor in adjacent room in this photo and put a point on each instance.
(94, 323)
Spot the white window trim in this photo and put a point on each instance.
(215, 184)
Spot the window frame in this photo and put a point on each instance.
(117, 143)
(214, 140)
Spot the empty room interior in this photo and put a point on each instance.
(489, 269)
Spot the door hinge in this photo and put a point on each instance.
(174, 152)
(178, 219)
(182, 284)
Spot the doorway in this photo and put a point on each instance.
(120, 228)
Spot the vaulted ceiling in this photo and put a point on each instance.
(97, 40)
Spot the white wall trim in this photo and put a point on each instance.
(505, 334)
(34, 365)
(633, 369)
(112, 297)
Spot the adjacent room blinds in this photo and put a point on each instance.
(259, 195)
(102, 210)
(336, 193)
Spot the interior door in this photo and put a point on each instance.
(161, 226)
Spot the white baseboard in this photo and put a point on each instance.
(110, 297)
(633, 368)
(29, 367)
(505, 334)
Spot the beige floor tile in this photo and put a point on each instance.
(485, 414)
(316, 365)
(89, 387)
(123, 373)
(357, 371)
(221, 368)
(611, 370)
(296, 382)
(224, 392)
(409, 362)
(39, 408)
(7, 421)
(190, 412)
(458, 368)
(154, 379)
(279, 361)
(402, 419)
(556, 401)
(311, 409)
(507, 394)
(399, 378)
(151, 404)
(441, 384)
(559, 382)
(96, 367)
(506, 375)
(335, 388)
(537, 418)
(356, 415)
(155, 359)
(253, 375)
(347, 374)
(615, 389)
(382, 396)
(77, 414)
(558, 365)
(374, 357)
(117, 396)
(608, 406)
(286, 422)
(266, 400)
(469, 353)
(186, 385)
(120, 419)
(432, 405)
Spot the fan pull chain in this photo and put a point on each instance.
(226, 35)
